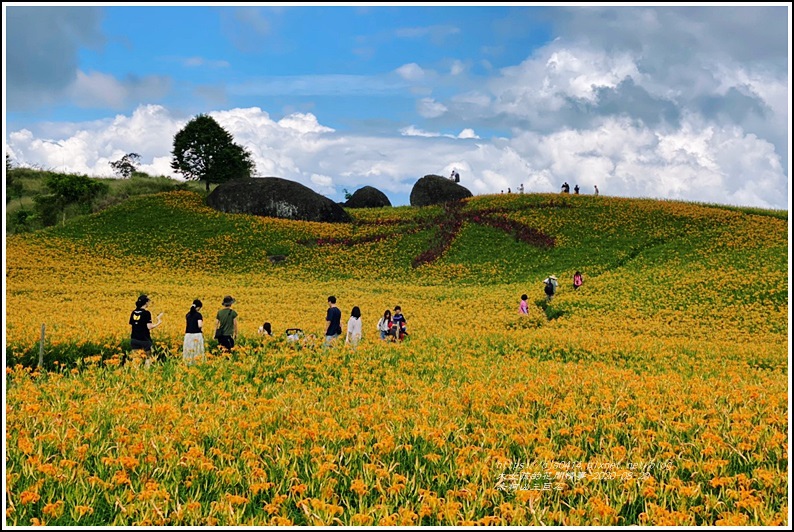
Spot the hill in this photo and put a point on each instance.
(655, 260)
(656, 394)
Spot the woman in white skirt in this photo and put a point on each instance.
(193, 347)
(354, 327)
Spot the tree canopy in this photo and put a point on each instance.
(204, 151)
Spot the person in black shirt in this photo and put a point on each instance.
(333, 320)
(193, 346)
(141, 322)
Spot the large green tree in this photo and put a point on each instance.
(204, 151)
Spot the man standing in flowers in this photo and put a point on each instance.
(226, 323)
(333, 318)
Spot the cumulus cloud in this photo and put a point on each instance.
(692, 162)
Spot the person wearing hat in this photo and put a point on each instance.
(550, 288)
(226, 324)
(141, 322)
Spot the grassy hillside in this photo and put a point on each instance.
(672, 355)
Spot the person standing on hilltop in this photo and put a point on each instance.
(333, 318)
(226, 323)
(141, 323)
(596, 189)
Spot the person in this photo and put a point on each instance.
(193, 346)
(550, 287)
(576, 189)
(141, 322)
(452, 175)
(577, 280)
(266, 329)
(384, 325)
(523, 308)
(596, 189)
(354, 327)
(399, 324)
(521, 188)
(509, 191)
(333, 317)
(226, 323)
(457, 177)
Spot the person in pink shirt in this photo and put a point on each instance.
(522, 307)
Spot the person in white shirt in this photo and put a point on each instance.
(354, 327)
(384, 324)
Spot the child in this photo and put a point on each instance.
(522, 307)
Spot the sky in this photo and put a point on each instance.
(668, 101)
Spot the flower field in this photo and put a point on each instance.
(656, 394)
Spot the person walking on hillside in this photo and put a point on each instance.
(354, 327)
(596, 189)
(523, 308)
(576, 189)
(550, 287)
(521, 188)
(333, 318)
(577, 280)
(141, 323)
(193, 345)
(226, 323)
(384, 325)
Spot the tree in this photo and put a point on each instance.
(125, 166)
(65, 190)
(204, 151)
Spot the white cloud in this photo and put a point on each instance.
(429, 108)
(411, 72)
(695, 161)
(99, 90)
(413, 131)
(457, 68)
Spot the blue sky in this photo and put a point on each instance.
(643, 101)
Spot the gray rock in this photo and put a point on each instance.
(434, 189)
(276, 197)
(368, 197)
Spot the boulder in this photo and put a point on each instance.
(434, 189)
(367, 197)
(276, 197)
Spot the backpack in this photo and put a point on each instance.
(549, 288)
(457, 177)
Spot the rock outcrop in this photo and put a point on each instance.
(276, 197)
(434, 189)
(367, 197)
